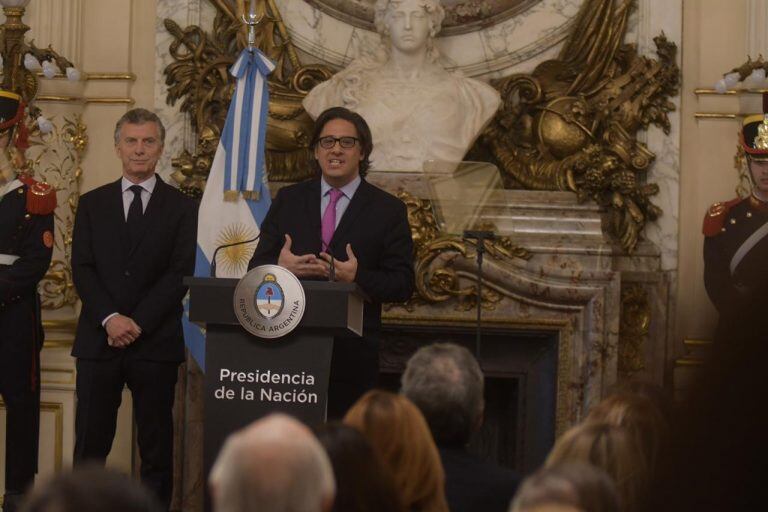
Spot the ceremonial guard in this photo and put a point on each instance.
(736, 246)
(26, 244)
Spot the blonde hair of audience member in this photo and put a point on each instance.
(638, 414)
(613, 449)
(274, 465)
(571, 487)
(399, 434)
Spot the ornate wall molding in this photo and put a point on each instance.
(56, 158)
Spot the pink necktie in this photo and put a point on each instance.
(329, 218)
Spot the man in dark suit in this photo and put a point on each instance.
(340, 226)
(133, 242)
(446, 383)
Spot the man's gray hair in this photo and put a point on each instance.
(274, 465)
(139, 116)
(445, 381)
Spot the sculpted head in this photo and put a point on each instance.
(409, 24)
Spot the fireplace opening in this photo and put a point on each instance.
(520, 368)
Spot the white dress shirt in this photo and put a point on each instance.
(148, 186)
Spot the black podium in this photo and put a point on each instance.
(247, 377)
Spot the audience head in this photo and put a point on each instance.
(656, 394)
(91, 489)
(400, 436)
(273, 465)
(571, 487)
(363, 484)
(446, 383)
(637, 414)
(614, 450)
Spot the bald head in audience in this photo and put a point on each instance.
(274, 465)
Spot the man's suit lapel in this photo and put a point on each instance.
(152, 213)
(312, 212)
(351, 215)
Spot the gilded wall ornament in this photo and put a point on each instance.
(635, 321)
(572, 123)
(434, 254)
(199, 77)
(55, 158)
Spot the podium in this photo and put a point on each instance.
(247, 377)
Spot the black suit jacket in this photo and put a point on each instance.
(376, 225)
(143, 282)
(473, 484)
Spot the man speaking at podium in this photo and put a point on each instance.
(340, 227)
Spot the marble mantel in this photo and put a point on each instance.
(577, 282)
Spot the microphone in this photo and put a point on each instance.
(479, 235)
(233, 244)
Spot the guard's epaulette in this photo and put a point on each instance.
(41, 197)
(714, 220)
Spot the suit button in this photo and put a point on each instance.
(127, 273)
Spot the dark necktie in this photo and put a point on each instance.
(135, 213)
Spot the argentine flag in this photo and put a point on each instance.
(236, 197)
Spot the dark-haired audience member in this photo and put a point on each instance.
(400, 436)
(445, 381)
(274, 465)
(363, 484)
(640, 416)
(91, 489)
(615, 450)
(572, 487)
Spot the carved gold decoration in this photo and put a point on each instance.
(572, 124)
(635, 321)
(200, 78)
(55, 158)
(744, 187)
(435, 252)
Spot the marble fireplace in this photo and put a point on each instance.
(561, 325)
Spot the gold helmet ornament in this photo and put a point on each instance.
(12, 115)
(754, 133)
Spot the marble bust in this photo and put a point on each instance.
(417, 109)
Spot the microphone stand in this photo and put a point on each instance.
(480, 237)
(213, 259)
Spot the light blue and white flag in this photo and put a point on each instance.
(226, 216)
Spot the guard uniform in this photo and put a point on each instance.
(26, 244)
(736, 250)
(735, 267)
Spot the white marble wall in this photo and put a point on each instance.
(654, 17)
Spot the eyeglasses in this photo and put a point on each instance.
(330, 141)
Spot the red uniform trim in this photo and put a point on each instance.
(714, 220)
(41, 197)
